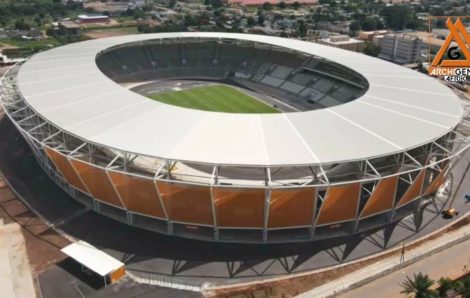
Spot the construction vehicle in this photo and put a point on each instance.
(450, 213)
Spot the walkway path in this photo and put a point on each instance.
(449, 262)
(386, 281)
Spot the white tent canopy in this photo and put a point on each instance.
(92, 258)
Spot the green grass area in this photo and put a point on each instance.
(40, 44)
(218, 98)
(25, 48)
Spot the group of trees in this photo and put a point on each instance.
(371, 49)
(280, 5)
(165, 27)
(399, 17)
(214, 3)
(22, 15)
(366, 23)
(396, 17)
(420, 286)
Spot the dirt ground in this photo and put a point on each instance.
(3, 70)
(4, 46)
(103, 33)
(15, 276)
(42, 243)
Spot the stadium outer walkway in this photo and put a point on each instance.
(452, 262)
(415, 260)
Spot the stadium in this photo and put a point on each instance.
(236, 137)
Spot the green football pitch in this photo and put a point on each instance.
(217, 98)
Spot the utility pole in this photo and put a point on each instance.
(402, 255)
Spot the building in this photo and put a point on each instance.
(369, 35)
(93, 18)
(336, 27)
(343, 42)
(273, 2)
(68, 28)
(110, 8)
(401, 48)
(6, 61)
(433, 41)
(377, 40)
(247, 178)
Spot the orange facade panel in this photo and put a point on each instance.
(413, 190)
(239, 207)
(290, 208)
(138, 194)
(436, 183)
(340, 204)
(97, 182)
(63, 166)
(382, 198)
(187, 203)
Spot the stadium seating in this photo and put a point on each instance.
(292, 87)
(300, 81)
(272, 81)
(281, 72)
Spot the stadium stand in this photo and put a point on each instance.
(294, 78)
(281, 72)
(292, 87)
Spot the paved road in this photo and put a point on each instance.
(449, 262)
(67, 280)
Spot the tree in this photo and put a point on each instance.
(261, 19)
(354, 26)
(250, 21)
(412, 24)
(445, 286)
(171, 3)
(296, 5)
(216, 3)
(463, 287)
(301, 28)
(139, 14)
(371, 23)
(267, 6)
(419, 285)
(371, 49)
(397, 16)
(38, 21)
(22, 25)
(282, 5)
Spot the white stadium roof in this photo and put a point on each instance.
(402, 109)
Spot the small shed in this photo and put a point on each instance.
(99, 262)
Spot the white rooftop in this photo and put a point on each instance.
(92, 258)
(402, 109)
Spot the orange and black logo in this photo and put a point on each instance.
(452, 61)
